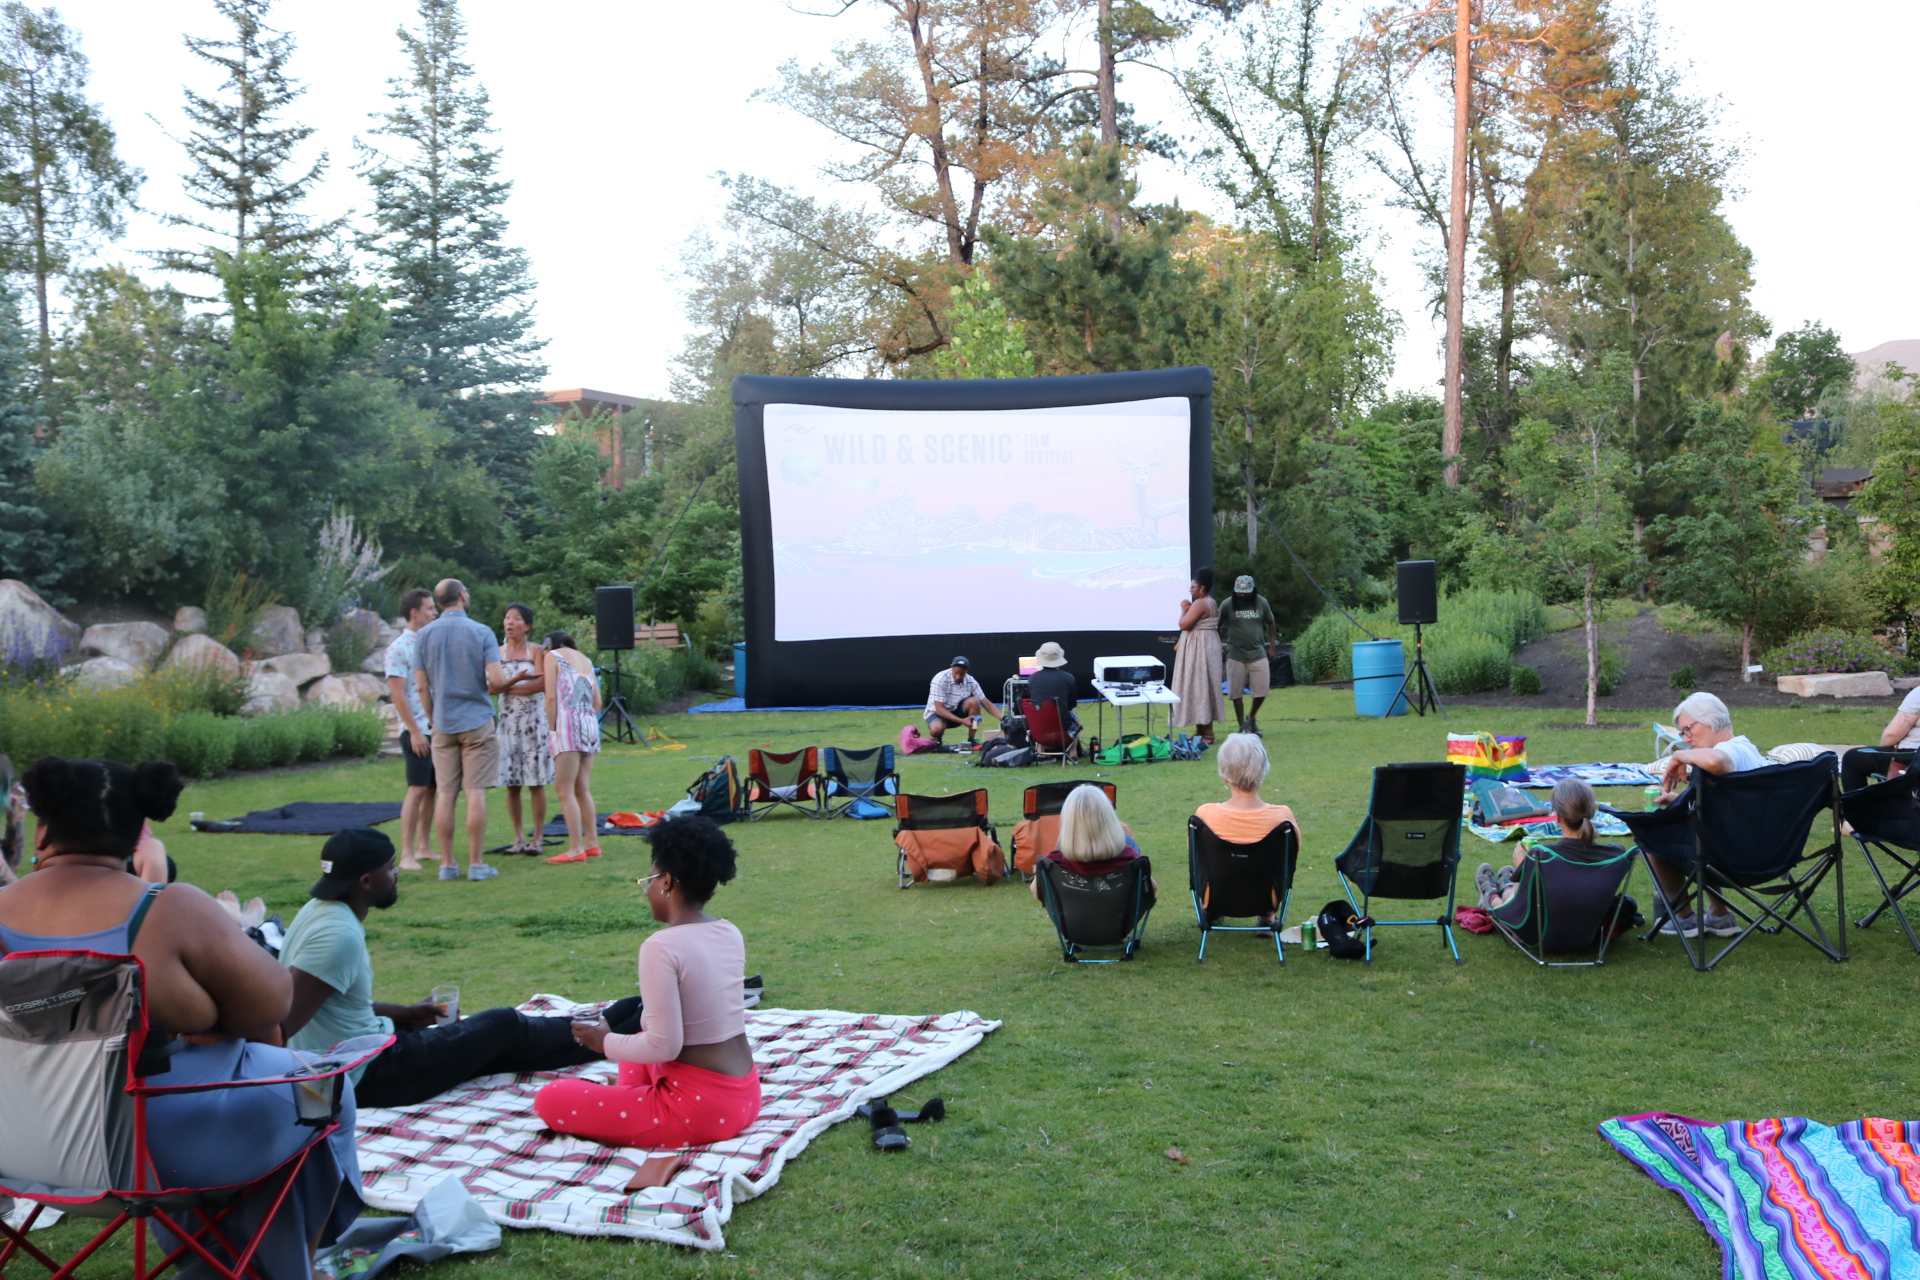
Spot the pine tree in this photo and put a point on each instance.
(242, 150)
(31, 548)
(462, 316)
(62, 180)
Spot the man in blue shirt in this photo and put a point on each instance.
(457, 663)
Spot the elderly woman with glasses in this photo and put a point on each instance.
(687, 1077)
(1706, 726)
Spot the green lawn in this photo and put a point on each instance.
(1415, 1119)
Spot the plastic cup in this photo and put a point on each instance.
(447, 1000)
(196, 816)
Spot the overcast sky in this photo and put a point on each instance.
(615, 115)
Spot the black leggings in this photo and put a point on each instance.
(427, 1062)
(1861, 763)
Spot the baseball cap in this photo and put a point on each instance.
(1243, 583)
(960, 660)
(345, 857)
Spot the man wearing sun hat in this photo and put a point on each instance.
(1247, 632)
(1054, 681)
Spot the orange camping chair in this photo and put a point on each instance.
(1038, 831)
(945, 838)
(791, 778)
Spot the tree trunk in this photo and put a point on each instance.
(1746, 652)
(1246, 483)
(1106, 87)
(1593, 654)
(934, 132)
(1457, 242)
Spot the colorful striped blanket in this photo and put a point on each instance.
(816, 1068)
(1790, 1199)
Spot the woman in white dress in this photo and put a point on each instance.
(525, 760)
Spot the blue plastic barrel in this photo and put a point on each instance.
(1379, 668)
(740, 670)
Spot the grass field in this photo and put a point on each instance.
(1414, 1119)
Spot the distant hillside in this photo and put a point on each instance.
(1904, 352)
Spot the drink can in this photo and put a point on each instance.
(1306, 935)
(1653, 797)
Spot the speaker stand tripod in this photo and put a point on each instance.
(1424, 695)
(622, 727)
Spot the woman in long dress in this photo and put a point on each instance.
(525, 760)
(1197, 668)
(573, 719)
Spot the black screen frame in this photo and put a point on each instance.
(883, 670)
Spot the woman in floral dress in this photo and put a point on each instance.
(525, 760)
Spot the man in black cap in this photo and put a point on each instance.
(326, 950)
(956, 698)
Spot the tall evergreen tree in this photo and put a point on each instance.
(61, 180)
(244, 169)
(460, 333)
(31, 547)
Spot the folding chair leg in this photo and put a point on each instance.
(1890, 898)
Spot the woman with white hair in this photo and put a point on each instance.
(1706, 726)
(1244, 817)
(1093, 840)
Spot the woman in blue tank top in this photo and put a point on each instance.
(206, 981)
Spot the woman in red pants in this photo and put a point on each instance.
(687, 1078)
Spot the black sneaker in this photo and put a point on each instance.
(752, 989)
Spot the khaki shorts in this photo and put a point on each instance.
(466, 761)
(1240, 675)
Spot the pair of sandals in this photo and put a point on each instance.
(887, 1133)
(531, 848)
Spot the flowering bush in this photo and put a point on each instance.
(1816, 652)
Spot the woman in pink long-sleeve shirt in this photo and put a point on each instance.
(687, 1078)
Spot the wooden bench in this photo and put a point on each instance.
(658, 635)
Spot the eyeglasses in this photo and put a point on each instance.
(646, 881)
(1686, 730)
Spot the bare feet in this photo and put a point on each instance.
(657, 1172)
(410, 864)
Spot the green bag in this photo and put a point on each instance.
(1135, 748)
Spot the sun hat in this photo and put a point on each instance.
(1050, 655)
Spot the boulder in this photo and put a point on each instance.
(1839, 684)
(189, 618)
(278, 632)
(316, 641)
(270, 691)
(365, 689)
(301, 668)
(201, 651)
(103, 673)
(135, 643)
(330, 691)
(30, 628)
(376, 663)
(1905, 683)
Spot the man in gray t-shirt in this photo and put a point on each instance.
(457, 664)
(1247, 633)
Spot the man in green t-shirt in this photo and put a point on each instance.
(1248, 632)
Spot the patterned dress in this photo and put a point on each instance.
(577, 727)
(524, 758)
(1197, 670)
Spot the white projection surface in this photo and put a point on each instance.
(920, 522)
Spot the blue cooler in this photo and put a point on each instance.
(740, 671)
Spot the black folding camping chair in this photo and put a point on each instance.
(1107, 912)
(1885, 817)
(857, 775)
(1408, 845)
(1743, 836)
(1566, 905)
(1230, 881)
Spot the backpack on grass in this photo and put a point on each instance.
(718, 792)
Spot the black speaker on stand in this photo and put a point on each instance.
(613, 632)
(1418, 589)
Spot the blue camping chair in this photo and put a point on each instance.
(1408, 845)
(853, 776)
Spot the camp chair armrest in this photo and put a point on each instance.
(339, 1060)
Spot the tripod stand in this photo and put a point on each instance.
(1420, 681)
(622, 729)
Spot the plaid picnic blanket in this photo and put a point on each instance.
(1790, 1199)
(816, 1067)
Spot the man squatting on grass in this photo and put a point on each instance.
(326, 951)
(1707, 728)
(954, 697)
(416, 733)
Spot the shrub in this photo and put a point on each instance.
(234, 604)
(202, 688)
(1472, 644)
(202, 743)
(252, 745)
(314, 727)
(272, 741)
(1613, 666)
(1471, 664)
(128, 724)
(1683, 678)
(1820, 651)
(358, 731)
(1526, 681)
(350, 640)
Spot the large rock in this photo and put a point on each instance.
(135, 643)
(103, 673)
(316, 641)
(189, 618)
(269, 691)
(330, 691)
(1839, 684)
(278, 632)
(301, 668)
(204, 652)
(30, 628)
(376, 663)
(366, 689)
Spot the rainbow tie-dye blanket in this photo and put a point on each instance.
(1790, 1199)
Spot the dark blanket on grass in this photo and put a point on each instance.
(558, 827)
(313, 818)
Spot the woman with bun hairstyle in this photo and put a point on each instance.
(687, 1078)
(205, 981)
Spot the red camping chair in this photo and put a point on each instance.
(1038, 831)
(1047, 727)
(791, 778)
(74, 1026)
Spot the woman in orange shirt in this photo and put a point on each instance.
(1243, 817)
